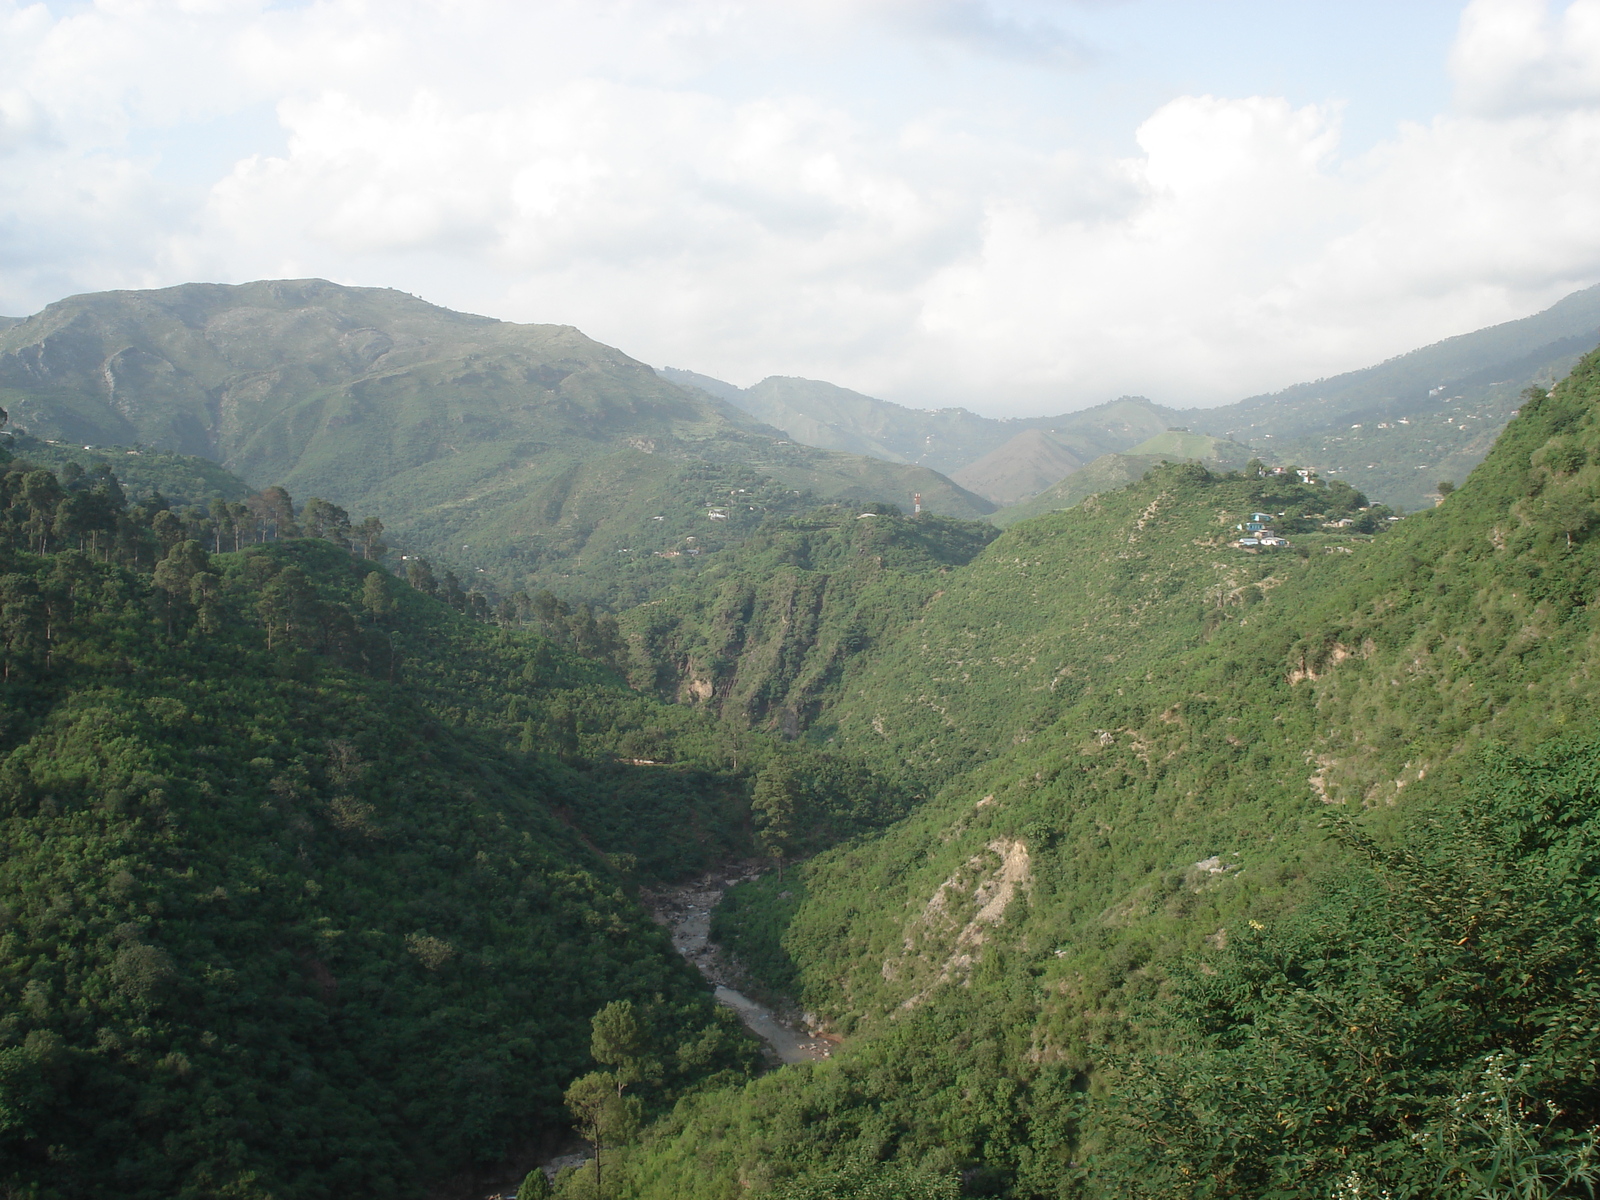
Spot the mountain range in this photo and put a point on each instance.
(536, 457)
(1112, 854)
(1435, 410)
(946, 439)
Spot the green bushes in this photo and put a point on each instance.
(751, 921)
(1425, 1027)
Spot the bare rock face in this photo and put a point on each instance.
(942, 943)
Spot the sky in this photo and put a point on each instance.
(1016, 206)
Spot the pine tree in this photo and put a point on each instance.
(620, 1041)
(774, 806)
(375, 596)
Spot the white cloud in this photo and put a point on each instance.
(591, 164)
(986, 28)
(1257, 257)
(1515, 56)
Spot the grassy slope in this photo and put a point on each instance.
(1364, 679)
(1059, 609)
(1180, 444)
(1106, 473)
(1025, 466)
(1467, 622)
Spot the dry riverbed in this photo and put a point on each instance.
(686, 910)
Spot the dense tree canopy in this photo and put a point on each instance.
(296, 897)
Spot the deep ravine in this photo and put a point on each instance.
(685, 909)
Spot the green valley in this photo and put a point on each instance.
(1120, 857)
(311, 883)
(1190, 829)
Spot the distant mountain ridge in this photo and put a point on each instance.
(1439, 409)
(1027, 464)
(530, 451)
(835, 418)
(1569, 328)
(946, 439)
(1396, 428)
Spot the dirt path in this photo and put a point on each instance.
(686, 911)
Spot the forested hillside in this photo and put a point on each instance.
(1065, 609)
(767, 635)
(1327, 846)
(185, 480)
(311, 882)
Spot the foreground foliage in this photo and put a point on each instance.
(1425, 1028)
